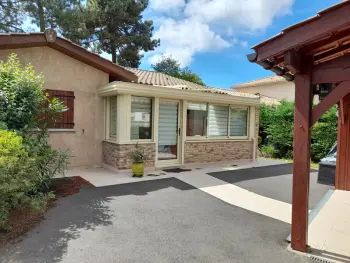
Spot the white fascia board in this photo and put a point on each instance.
(119, 87)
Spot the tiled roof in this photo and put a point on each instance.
(257, 82)
(161, 79)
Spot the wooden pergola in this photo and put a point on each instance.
(315, 54)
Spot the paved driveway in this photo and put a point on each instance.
(274, 181)
(165, 220)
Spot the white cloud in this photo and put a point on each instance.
(244, 44)
(251, 14)
(167, 6)
(182, 39)
(191, 27)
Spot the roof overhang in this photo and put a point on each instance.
(323, 37)
(118, 87)
(49, 38)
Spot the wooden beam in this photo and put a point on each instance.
(331, 99)
(307, 31)
(342, 179)
(341, 50)
(333, 71)
(292, 60)
(301, 164)
(341, 112)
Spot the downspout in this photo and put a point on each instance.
(254, 150)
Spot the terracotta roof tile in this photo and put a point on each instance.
(161, 79)
(257, 82)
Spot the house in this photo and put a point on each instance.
(274, 87)
(113, 110)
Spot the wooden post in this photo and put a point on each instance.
(301, 165)
(342, 179)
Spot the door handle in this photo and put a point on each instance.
(179, 132)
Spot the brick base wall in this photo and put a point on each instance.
(220, 151)
(118, 155)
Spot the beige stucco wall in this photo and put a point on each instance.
(279, 90)
(62, 72)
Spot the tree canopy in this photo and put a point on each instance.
(112, 26)
(171, 66)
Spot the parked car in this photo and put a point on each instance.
(326, 172)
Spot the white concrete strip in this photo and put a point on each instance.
(237, 196)
(329, 232)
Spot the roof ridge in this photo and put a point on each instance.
(263, 80)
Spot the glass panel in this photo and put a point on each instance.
(167, 130)
(196, 119)
(141, 118)
(113, 117)
(238, 122)
(217, 120)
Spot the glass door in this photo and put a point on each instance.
(168, 132)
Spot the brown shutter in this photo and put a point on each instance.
(66, 121)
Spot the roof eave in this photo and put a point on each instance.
(15, 41)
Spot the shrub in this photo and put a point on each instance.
(324, 134)
(277, 129)
(21, 94)
(48, 161)
(27, 161)
(16, 175)
(280, 130)
(267, 151)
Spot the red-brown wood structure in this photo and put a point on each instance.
(316, 55)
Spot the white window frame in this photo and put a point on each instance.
(107, 119)
(228, 137)
(153, 122)
(196, 137)
(248, 122)
(111, 137)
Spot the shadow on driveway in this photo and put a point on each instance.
(86, 210)
(273, 181)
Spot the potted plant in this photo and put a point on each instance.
(138, 157)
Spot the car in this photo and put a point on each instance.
(327, 167)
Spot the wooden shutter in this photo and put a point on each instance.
(67, 118)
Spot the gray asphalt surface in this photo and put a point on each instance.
(273, 181)
(161, 221)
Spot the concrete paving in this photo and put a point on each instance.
(165, 220)
(329, 232)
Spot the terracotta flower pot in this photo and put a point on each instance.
(137, 169)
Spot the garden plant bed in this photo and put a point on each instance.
(24, 219)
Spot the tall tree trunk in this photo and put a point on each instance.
(41, 15)
(114, 53)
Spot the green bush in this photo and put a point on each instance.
(27, 161)
(277, 127)
(267, 151)
(280, 130)
(47, 160)
(16, 175)
(324, 134)
(21, 94)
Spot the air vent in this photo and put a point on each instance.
(319, 259)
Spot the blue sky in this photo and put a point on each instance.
(212, 37)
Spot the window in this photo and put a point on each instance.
(113, 117)
(238, 121)
(196, 119)
(141, 118)
(66, 120)
(217, 120)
